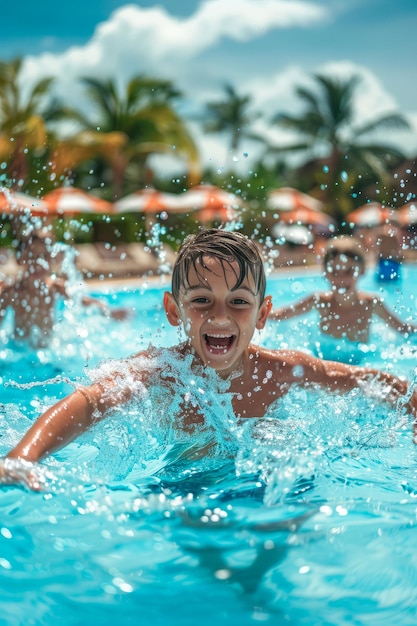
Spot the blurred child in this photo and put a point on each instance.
(345, 314)
(33, 294)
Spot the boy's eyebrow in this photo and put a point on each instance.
(200, 286)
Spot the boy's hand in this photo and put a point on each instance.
(20, 472)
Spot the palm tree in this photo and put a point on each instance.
(231, 115)
(145, 115)
(23, 121)
(335, 144)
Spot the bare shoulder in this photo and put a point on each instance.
(369, 298)
(279, 359)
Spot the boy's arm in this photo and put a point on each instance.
(391, 319)
(294, 310)
(61, 424)
(342, 378)
(56, 428)
(116, 313)
(119, 313)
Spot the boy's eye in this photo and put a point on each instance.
(240, 301)
(200, 300)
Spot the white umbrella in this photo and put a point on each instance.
(14, 202)
(212, 203)
(371, 214)
(289, 199)
(407, 214)
(293, 233)
(150, 200)
(69, 200)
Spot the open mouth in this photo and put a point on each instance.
(219, 343)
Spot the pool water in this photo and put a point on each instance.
(310, 520)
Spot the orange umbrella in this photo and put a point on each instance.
(15, 202)
(212, 203)
(310, 217)
(149, 200)
(71, 201)
(407, 214)
(289, 199)
(371, 214)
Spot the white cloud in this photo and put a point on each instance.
(150, 41)
(137, 40)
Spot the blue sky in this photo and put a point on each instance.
(263, 47)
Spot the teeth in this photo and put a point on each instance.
(219, 336)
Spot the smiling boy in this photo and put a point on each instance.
(218, 297)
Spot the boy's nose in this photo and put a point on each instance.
(218, 320)
(219, 316)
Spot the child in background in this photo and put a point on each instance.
(218, 297)
(345, 314)
(33, 293)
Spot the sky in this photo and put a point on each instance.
(264, 48)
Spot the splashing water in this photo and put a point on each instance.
(237, 522)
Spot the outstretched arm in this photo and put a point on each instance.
(61, 424)
(342, 378)
(57, 427)
(119, 313)
(296, 367)
(294, 310)
(391, 319)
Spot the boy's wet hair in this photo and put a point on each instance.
(226, 246)
(346, 245)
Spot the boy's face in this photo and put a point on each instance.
(218, 320)
(343, 271)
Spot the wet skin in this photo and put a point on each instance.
(219, 321)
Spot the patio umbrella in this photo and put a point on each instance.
(407, 214)
(69, 200)
(149, 200)
(293, 233)
(211, 203)
(371, 214)
(308, 217)
(289, 199)
(15, 202)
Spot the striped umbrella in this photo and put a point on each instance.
(149, 200)
(309, 217)
(407, 214)
(69, 200)
(290, 199)
(371, 214)
(15, 203)
(211, 203)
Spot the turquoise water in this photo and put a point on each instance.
(311, 518)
